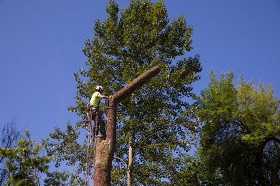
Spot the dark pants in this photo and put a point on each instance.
(99, 124)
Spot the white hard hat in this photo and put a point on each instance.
(99, 88)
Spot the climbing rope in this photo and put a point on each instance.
(95, 129)
(92, 132)
(89, 142)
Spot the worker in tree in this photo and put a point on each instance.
(94, 111)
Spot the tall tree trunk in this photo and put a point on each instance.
(129, 166)
(130, 156)
(105, 147)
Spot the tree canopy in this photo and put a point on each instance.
(24, 163)
(8, 139)
(153, 120)
(240, 135)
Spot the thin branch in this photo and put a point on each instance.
(118, 158)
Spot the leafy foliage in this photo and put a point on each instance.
(240, 136)
(24, 163)
(8, 139)
(153, 121)
(27, 164)
(64, 148)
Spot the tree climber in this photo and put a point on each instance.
(94, 111)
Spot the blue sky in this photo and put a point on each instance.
(41, 47)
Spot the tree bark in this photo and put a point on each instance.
(130, 156)
(105, 146)
(129, 166)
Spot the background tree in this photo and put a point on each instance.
(8, 139)
(23, 162)
(240, 136)
(152, 123)
(27, 164)
(65, 150)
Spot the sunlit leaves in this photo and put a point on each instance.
(25, 163)
(155, 119)
(241, 125)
